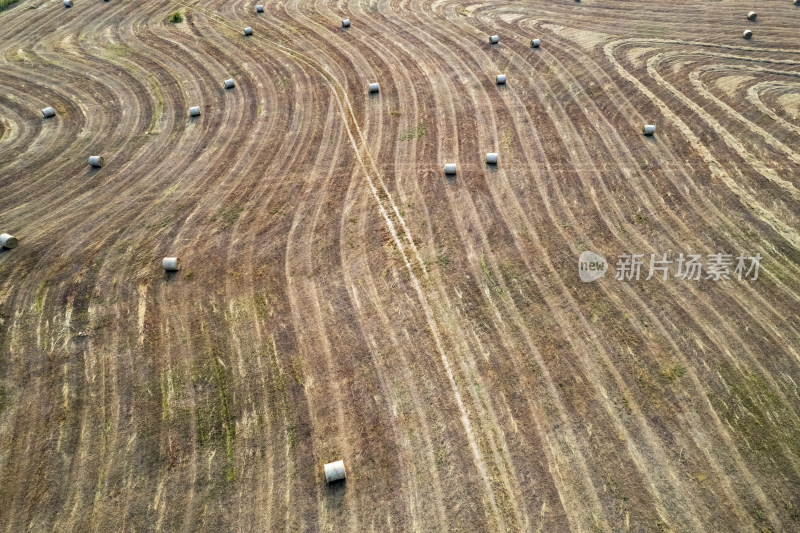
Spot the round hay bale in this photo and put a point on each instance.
(8, 241)
(171, 264)
(67, 3)
(96, 161)
(752, 15)
(334, 471)
(48, 112)
(491, 158)
(374, 88)
(194, 111)
(649, 129)
(501, 79)
(259, 8)
(450, 169)
(494, 39)
(346, 23)
(535, 43)
(747, 34)
(229, 83)
(248, 31)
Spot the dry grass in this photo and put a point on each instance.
(341, 299)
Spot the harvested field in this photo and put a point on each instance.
(339, 297)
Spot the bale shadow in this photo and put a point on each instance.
(334, 494)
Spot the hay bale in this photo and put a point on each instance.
(67, 3)
(334, 471)
(535, 43)
(194, 111)
(494, 39)
(649, 129)
(229, 83)
(752, 16)
(259, 8)
(374, 88)
(491, 158)
(500, 79)
(48, 112)
(171, 264)
(346, 23)
(248, 31)
(8, 241)
(747, 34)
(450, 169)
(96, 161)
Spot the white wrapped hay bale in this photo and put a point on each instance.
(48, 112)
(494, 39)
(171, 264)
(491, 158)
(649, 129)
(229, 83)
(96, 161)
(450, 169)
(334, 471)
(8, 241)
(374, 88)
(194, 111)
(248, 31)
(501, 79)
(346, 23)
(535, 43)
